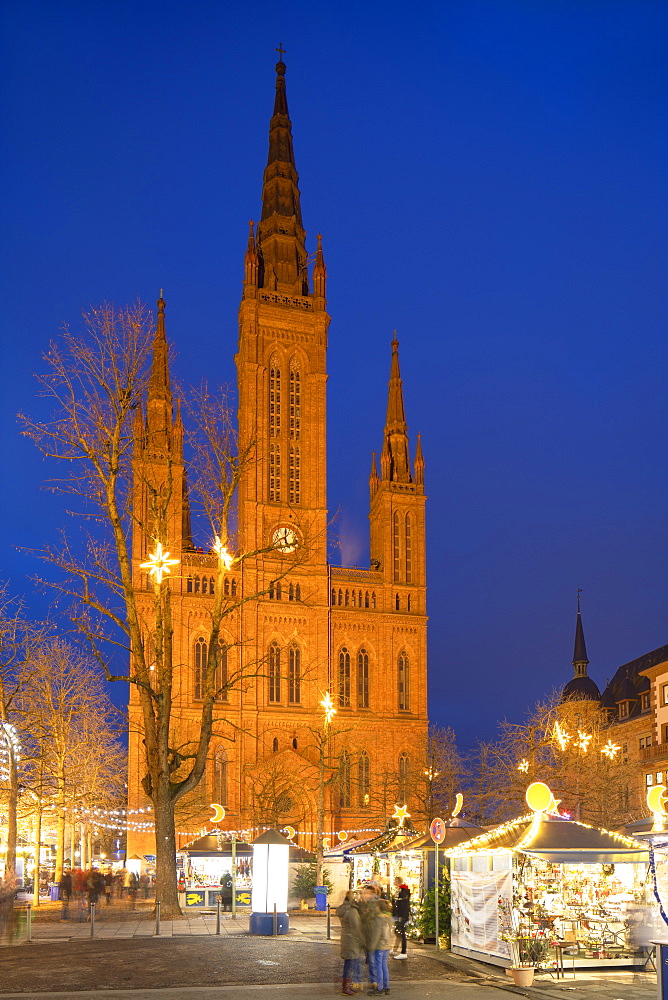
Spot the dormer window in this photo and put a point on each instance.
(644, 701)
(624, 707)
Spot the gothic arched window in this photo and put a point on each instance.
(274, 398)
(234, 588)
(295, 489)
(344, 780)
(362, 679)
(294, 675)
(201, 651)
(409, 549)
(226, 587)
(189, 585)
(295, 402)
(397, 603)
(275, 472)
(205, 584)
(344, 678)
(366, 598)
(298, 593)
(364, 781)
(347, 598)
(222, 674)
(403, 791)
(212, 585)
(274, 745)
(291, 592)
(274, 673)
(373, 601)
(219, 790)
(404, 682)
(395, 545)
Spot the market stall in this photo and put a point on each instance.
(414, 861)
(371, 861)
(542, 886)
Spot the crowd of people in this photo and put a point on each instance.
(81, 888)
(372, 927)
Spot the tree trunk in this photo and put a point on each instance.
(38, 849)
(165, 856)
(60, 830)
(12, 804)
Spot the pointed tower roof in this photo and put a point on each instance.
(580, 687)
(281, 235)
(395, 445)
(580, 650)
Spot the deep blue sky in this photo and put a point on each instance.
(489, 179)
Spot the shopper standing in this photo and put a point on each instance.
(401, 911)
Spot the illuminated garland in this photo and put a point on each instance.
(479, 844)
(652, 868)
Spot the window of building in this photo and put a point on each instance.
(403, 679)
(275, 472)
(362, 679)
(274, 745)
(395, 545)
(344, 678)
(333, 596)
(212, 586)
(197, 582)
(274, 673)
(294, 675)
(366, 598)
(373, 601)
(226, 587)
(623, 709)
(665, 734)
(645, 741)
(644, 702)
(294, 743)
(205, 585)
(347, 598)
(295, 488)
(201, 652)
(295, 402)
(664, 694)
(274, 398)
(403, 790)
(649, 779)
(234, 588)
(219, 790)
(659, 777)
(189, 585)
(298, 592)
(222, 674)
(409, 549)
(364, 782)
(344, 780)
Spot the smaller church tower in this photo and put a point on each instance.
(161, 509)
(580, 687)
(397, 505)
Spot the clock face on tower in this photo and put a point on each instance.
(285, 540)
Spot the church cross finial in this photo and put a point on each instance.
(579, 592)
(281, 51)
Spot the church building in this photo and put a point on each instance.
(299, 627)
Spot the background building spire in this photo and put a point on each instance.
(396, 430)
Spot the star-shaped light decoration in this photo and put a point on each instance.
(401, 813)
(221, 551)
(523, 765)
(159, 563)
(328, 706)
(584, 739)
(611, 749)
(561, 736)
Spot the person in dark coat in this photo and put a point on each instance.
(352, 944)
(401, 911)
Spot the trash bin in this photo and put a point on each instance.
(320, 897)
(54, 893)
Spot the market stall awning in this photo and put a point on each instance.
(396, 835)
(346, 848)
(453, 835)
(215, 845)
(558, 840)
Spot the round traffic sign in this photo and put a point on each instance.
(437, 830)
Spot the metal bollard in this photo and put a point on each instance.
(92, 919)
(29, 923)
(275, 922)
(329, 922)
(157, 918)
(218, 917)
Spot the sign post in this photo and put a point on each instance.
(437, 831)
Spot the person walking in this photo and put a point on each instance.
(352, 944)
(381, 935)
(401, 911)
(65, 887)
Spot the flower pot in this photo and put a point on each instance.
(522, 976)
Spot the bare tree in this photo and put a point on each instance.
(18, 641)
(67, 733)
(98, 381)
(440, 773)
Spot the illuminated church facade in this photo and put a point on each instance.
(298, 627)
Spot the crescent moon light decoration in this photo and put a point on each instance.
(656, 803)
(459, 802)
(218, 812)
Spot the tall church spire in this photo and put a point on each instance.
(396, 466)
(281, 235)
(580, 687)
(159, 401)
